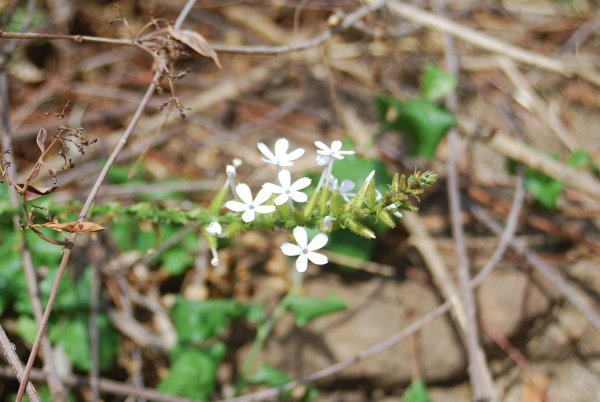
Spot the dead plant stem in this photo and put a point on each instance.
(83, 214)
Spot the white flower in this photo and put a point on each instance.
(215, 229)
(304, 250)
(328, 222)
(280, 156)
(250, 207)
(326, 153)
(346, 188)
(287, 189)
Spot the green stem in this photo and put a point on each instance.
(263, 332)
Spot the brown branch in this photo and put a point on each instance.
(8, 349)
(477, 365)
(105, 385)
(57, 390)
(84, 211)
(484, 41)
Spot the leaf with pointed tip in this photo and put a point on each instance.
(196, 41)
(72, 227)
(33, 192)
(41, 139)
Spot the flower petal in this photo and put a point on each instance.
(301, 236)
(319, 241)
(290, 249)
(273, 188)
(282, 198)
(298, 196)
(336, 145)
(236, 206)
(281, 147)
(249, 215)
(321, 146)
(285, 178)
(347, 185)
(295, 154)
(317, 258)
(301, 183)
(263, 195)
(264, 209)
(302, 263)
(243, 191)
(266, 151)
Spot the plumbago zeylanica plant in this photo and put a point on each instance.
(294, 205)
(309, 210)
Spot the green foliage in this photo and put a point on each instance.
(436, 84)
(197, 321)
(347, 243)
(45, 395)
(73, 336)
(176, 260)
(272, 377)
(416, 392)
(306, 309)
(546, 189)
(193, 372)
(422, 121)
(580, 159)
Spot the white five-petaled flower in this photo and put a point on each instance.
(286, 189)
(250, 207)
(346, 188)
(280, 156)
(215, 229)
(305, 250)
(334, 151)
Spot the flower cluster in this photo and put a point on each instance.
(293, 204)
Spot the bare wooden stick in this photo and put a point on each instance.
(84, 211)
(57, 390)
(514, 149)
(8, 350)
(526, 96)
(484, 41)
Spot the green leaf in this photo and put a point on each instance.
(422, 122)
(436, 83)
(45, 395)
(306, 308)
(72, 335)
(268, 375)
(347, 243)
(357, 169)
(579, 159)
(176, 260)
(27, 328)
(197, 321)
(545, 189)
(416, 392)
(193, 373)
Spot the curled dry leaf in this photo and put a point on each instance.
(72, 227)
(195, 41)
(41, 139)
(33, 192)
